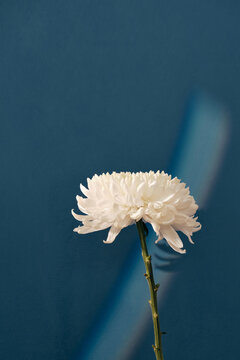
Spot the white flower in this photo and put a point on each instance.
(120, 199)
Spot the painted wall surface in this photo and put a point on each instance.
(94, 86)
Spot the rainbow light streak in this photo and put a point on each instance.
(197, 157)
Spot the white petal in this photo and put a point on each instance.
(197, 227)
(84, 229)
(156, 227)
(137, 215)
(168, 197)
(78, 217)
(140, 186)
(84, 190)
(166, 217)
(159, 239)
(172, 237)
(79, 201)
(122, 223)
(180, 251)
(90, 227)
(190, 239)
(112, 234)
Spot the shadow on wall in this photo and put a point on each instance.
(196, 160)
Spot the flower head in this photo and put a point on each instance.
(120, 199)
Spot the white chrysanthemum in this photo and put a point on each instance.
(120, 199)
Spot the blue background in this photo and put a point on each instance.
(93, 86)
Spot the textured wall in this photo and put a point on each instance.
(94, 86)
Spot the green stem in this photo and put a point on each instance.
(153, 290)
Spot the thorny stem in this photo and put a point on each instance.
(157, 347)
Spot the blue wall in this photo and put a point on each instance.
(94, 86)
